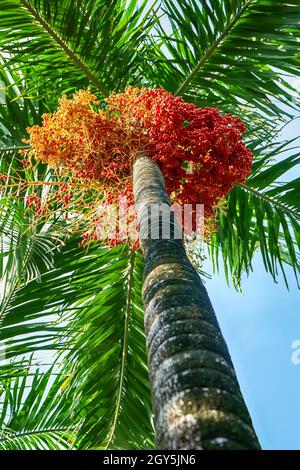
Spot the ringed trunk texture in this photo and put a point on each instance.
(196, 396)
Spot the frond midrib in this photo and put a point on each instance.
(124, 350)
(270, 200)
(212, 49)
(11, 435)
(71, 54)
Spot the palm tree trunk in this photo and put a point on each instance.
(196, 396)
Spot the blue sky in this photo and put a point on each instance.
(259, 327)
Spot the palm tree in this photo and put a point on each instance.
(87, 306)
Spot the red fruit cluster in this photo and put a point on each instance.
(35, 202)
(200, 151)
(53, 199)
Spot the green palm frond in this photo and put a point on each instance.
(92, 42)
(229, 53)
(97, 325)
(32, 414)
(112, 322)
(264, 215)
(18, 111)
(27, 249)
(13, 369)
